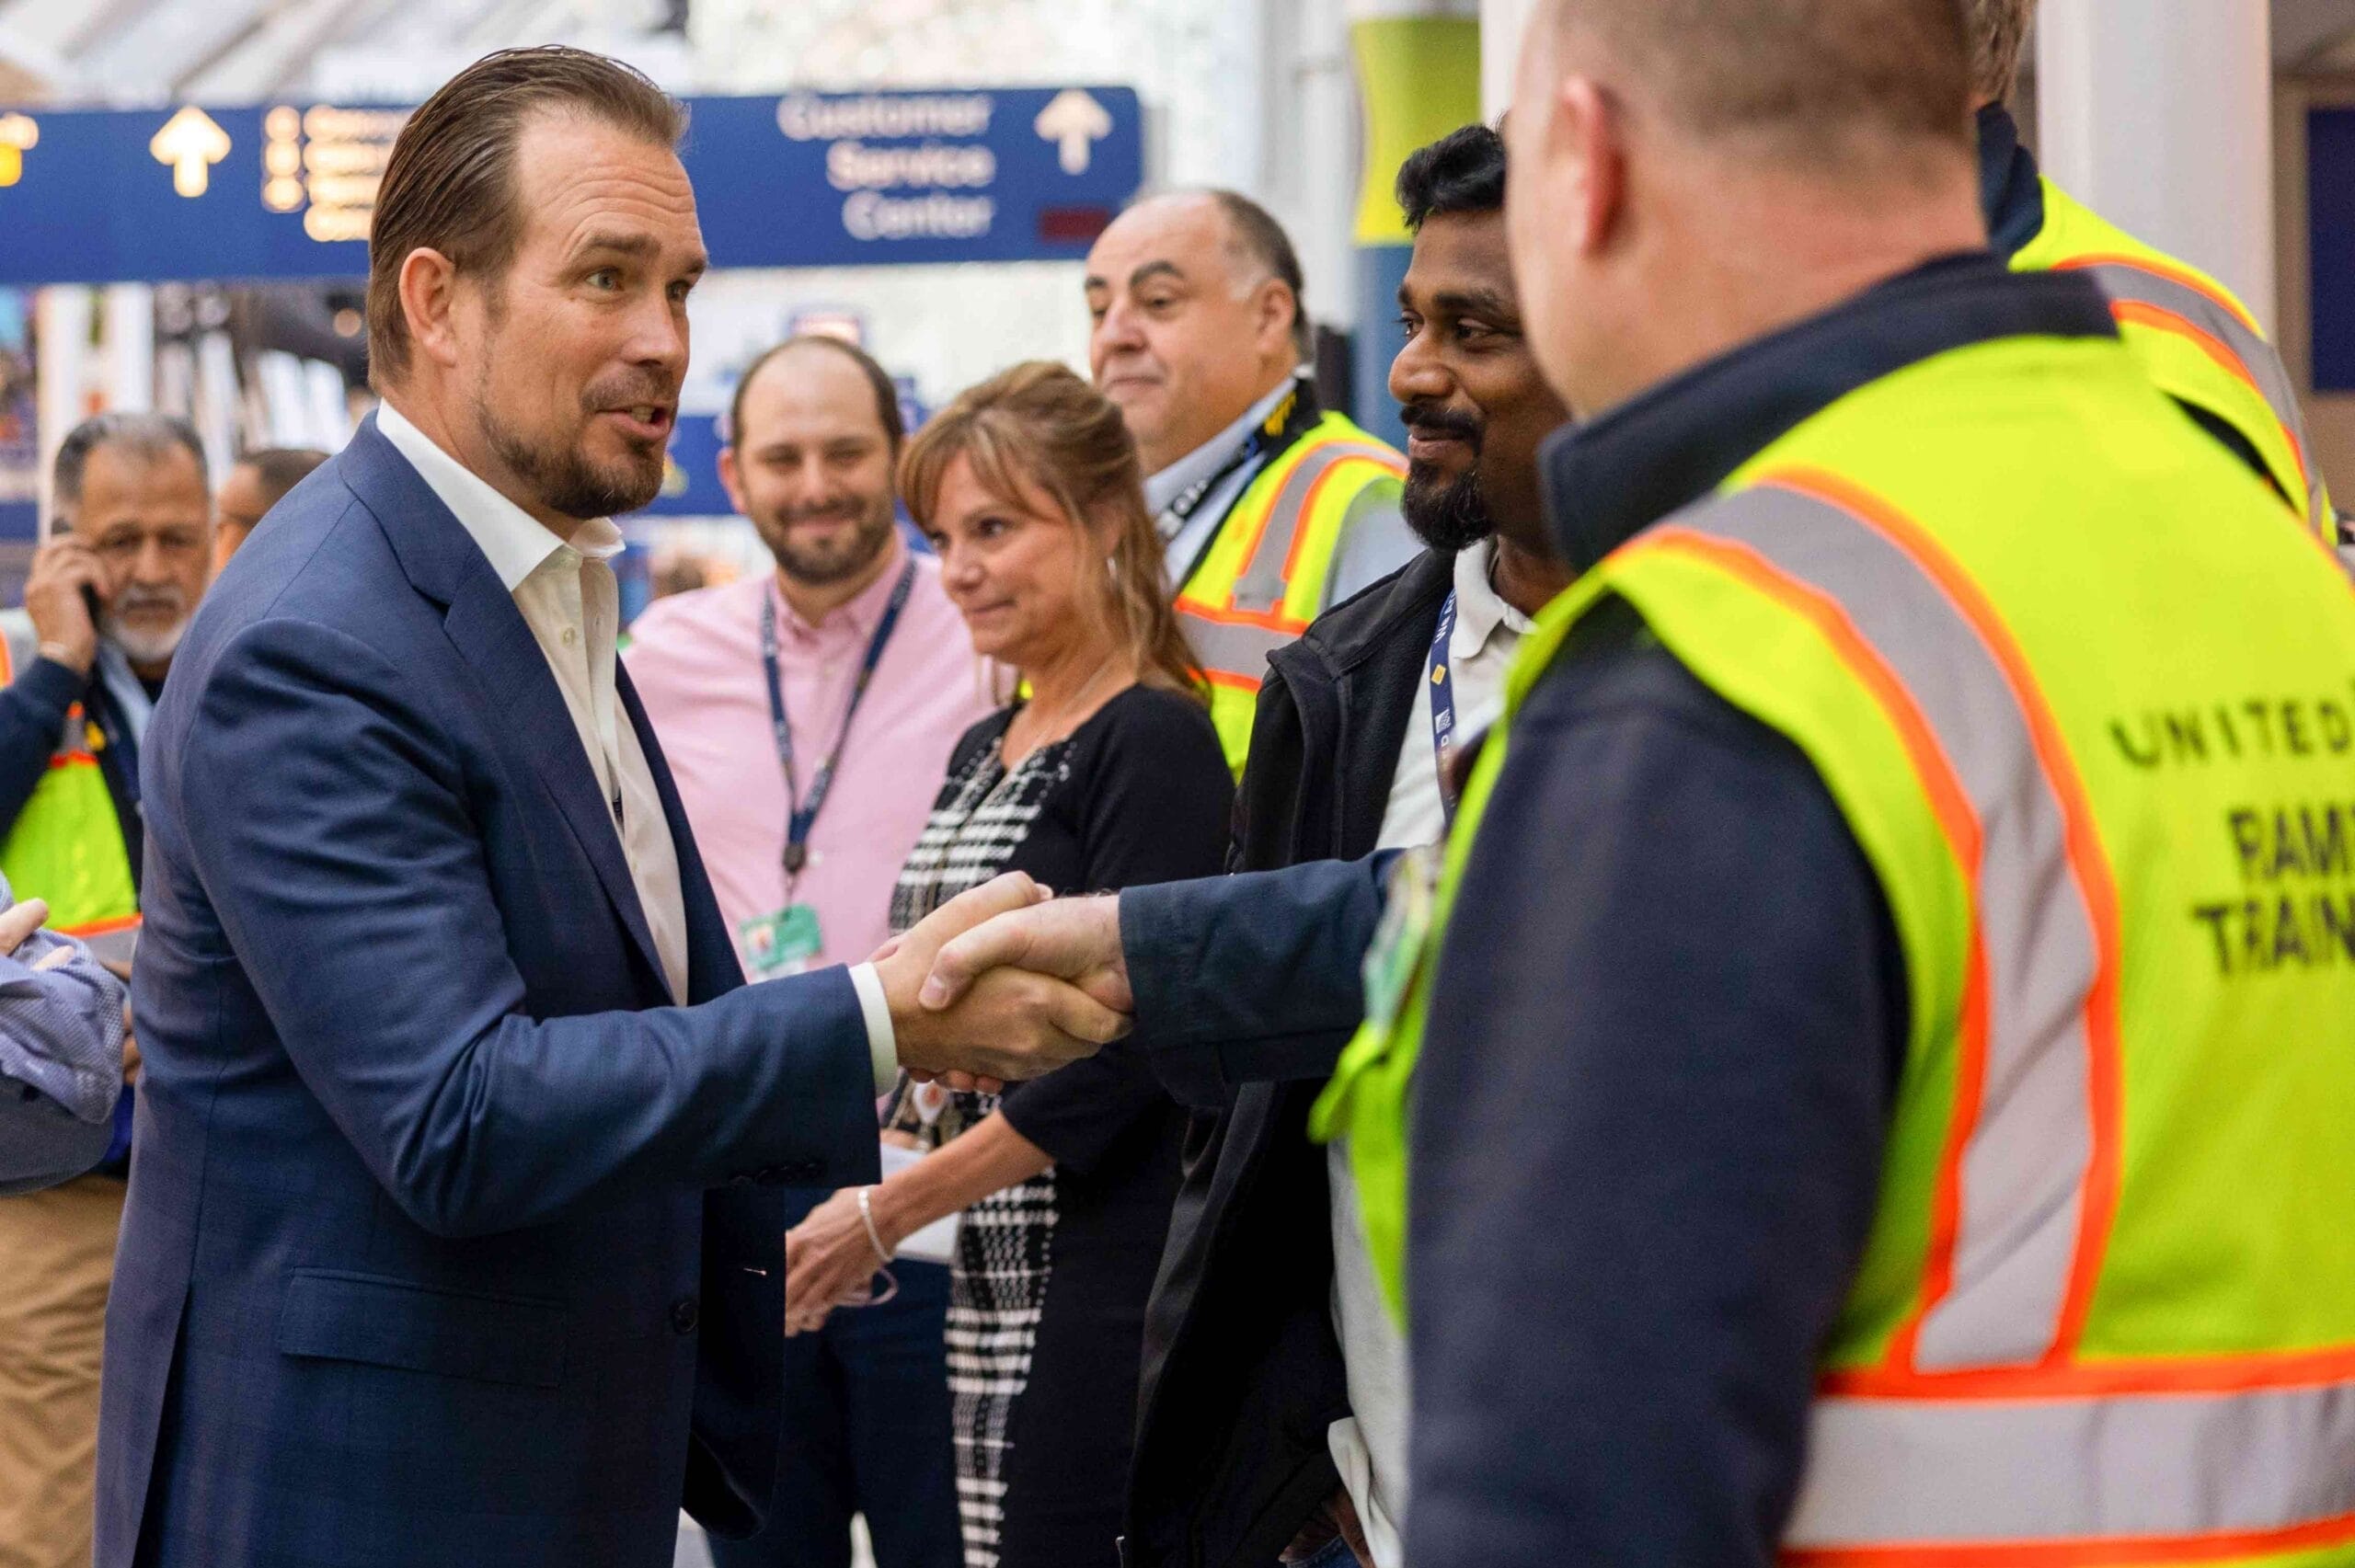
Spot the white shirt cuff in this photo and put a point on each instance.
(882, 1042)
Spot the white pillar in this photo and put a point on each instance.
(65, 312)
(1501, 25)
(2157, 114)
(1307, 165)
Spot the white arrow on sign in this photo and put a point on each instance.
(1074, 122)
(190, 143)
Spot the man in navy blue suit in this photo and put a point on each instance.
(446, 1048)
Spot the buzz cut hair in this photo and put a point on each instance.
(281, 468)
(1828, 87)
(879, 380)
(1998, 35)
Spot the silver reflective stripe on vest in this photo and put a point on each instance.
(2123, 282)
(2024, 1167)
(1233, 649)
(1260, 586)
(24, 641)
(1903, 1472)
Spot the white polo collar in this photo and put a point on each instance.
(1480, 607)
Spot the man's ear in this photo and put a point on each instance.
(1589, 137)
(429, 292)
(1275, 308)
(731, 479)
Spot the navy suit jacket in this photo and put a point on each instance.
(420, 1264)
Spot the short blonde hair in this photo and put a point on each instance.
(1822, 86)
(1998, 34)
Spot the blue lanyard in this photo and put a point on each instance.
(803, 812)
(1443, 690)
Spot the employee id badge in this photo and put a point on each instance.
(1406, 929)
(783, 942)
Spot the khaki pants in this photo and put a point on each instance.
(56, 1257)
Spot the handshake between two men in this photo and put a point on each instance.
(1006, 982)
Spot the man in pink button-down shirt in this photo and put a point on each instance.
(814, 474)
(816, 433)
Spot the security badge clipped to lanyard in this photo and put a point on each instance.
(1398, 941)
(789, 940)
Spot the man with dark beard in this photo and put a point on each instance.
(446, 1040)
(808, 716)
(1274, 1398)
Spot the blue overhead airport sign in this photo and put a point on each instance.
(809, 179)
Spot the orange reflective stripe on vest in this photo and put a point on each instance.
(1979, 1439)
(2058, 1484)
(1264, 578)
(2143, 292)
(1265, 583)
(1228, 648)
(2030, 1167)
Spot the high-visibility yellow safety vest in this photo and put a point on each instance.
(66, 844)
(1264, 576)
(2100, 753)
(2197, 342)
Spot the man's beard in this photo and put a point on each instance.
(563, 479)
(822, 565)
(1446, 514)
(140, 644)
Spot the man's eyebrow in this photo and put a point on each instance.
(1152, 270)
(1488, 302)
(638, 247)
(619, 245)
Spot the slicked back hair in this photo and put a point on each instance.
(1464, 171)
(1828, 87)
(147, 437)
(1998, 33)
(450, 184)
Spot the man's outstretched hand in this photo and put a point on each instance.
(1074, 940)
(1006, 1023)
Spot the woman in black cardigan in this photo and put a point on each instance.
(1106, 774)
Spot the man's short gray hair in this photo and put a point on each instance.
(1259, 239)
(147, 437)
(1998, 34)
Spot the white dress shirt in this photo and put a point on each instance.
(1370, 1449)
(566, 593)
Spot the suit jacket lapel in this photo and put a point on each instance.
(445, 565)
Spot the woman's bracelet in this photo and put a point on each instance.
(874, 1237)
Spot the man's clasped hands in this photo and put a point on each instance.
(1006, 982)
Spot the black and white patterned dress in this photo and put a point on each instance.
(1048, 1288)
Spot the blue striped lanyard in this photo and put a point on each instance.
(803, 812)
(1442, 688)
